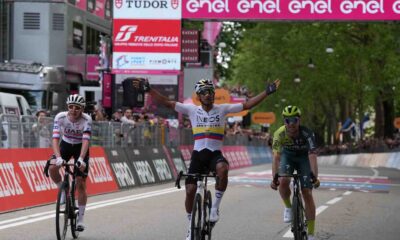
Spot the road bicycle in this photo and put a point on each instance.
(299, 225)
(201, 227)
(66, 210)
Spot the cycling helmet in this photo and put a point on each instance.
(291, 111)
(203, 84)
(76, 99)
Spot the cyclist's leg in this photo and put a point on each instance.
(306, 189)
(286, 167)
(190, 183)
(220, 166)
(65, 151)
(81, 186)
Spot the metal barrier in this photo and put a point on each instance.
(28, 132)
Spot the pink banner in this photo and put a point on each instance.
(99, 10)
(292, 9)
(107, 90)
(211, 31)
(91, 62)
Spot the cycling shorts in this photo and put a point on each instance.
(204, 162)
(69, 150)
(290, 162)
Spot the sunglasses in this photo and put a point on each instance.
(74, 107)
(292, 120)
(206, 91)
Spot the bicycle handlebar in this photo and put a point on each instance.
(194, 175)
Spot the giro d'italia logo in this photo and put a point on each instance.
(118, 3)
(175, 4)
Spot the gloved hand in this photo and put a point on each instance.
(59, 161)
(272, 87)
(81, 164)
(314, 180)
(275, 182)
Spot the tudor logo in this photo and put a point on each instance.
(118, 3)
(125, 33)
(174, 4)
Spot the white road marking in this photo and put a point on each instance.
(335, 200)
(51, 214)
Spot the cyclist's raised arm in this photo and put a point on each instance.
(161, 99)
(271, 88)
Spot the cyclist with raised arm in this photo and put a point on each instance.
(294, 148)
(74, 129)
(208, 125)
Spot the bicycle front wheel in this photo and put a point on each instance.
(74, 215)
(62, 211)
(207, 227)
(298, 219)
(196, 219)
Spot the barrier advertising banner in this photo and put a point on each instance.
(124, 172)
(355, 10)
(23, 184)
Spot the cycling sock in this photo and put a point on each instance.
(287, 203)
(218, 198)
(189, 216)
(311, 227)
(81, 212)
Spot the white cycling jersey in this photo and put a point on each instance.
(72, 132)
(208, 127)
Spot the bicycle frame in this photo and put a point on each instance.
(201, 206)
(70, 211)
(299, 225)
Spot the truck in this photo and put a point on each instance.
(43, 87)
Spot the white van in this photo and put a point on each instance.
(14, 104)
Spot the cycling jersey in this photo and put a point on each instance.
(72, 132)
(300, 145)
(208, 127)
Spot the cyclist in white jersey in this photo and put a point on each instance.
(208, 124)
(74, 129)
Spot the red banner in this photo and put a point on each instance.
(155, 36)
(22, 183)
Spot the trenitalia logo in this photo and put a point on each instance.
(125, 33)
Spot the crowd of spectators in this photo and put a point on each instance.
(366, 145)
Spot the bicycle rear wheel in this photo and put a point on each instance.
(298, 227)
(207, 225)
(62, 211)
(196, 219)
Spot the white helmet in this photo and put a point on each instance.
(203, 84)
(76, 99)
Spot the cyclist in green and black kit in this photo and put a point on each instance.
(294, 148)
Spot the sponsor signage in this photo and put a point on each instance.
(148, 9)
(156, 36)
(23, 184)
(127, 63)
(292, 9)
(263, 117)
(190, 46)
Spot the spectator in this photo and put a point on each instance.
(128, 117)
(42, 130)
(116, 117)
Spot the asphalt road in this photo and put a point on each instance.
(352, 203)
